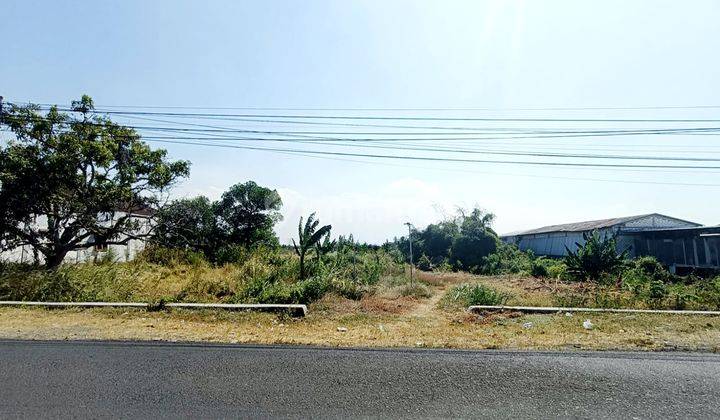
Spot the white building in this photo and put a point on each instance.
(92, 251)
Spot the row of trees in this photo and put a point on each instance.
(70, 180)
(243, 216)
(462, 241)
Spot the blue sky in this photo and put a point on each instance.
(502, 55)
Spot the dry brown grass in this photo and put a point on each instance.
(382, 319)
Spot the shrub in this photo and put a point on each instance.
(348, 289)
(231, 254)
(475, 294)
(657, 292)
(538, 269)
(595, 257)
(508, 259)
(650, 267)
(557, 270)
(417, 290)
(424, 263)
(309, 290)
(709, 293)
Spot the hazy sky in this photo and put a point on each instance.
(506, 55)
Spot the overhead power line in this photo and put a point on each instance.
(433, 109)
(444, 159)
(399, 118)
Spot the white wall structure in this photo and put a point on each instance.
(91, 252)
(553, 240)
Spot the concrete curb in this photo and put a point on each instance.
(549, 309)
(294, 308)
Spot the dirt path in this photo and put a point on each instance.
(426, 307)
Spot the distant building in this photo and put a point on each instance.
(92, 250)
(679, 244)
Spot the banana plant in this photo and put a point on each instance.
(324, 246)
(308, 237)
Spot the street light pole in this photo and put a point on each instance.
(409, 225)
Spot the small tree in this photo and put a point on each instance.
(68, 181)
(598, 255)
(308, 236)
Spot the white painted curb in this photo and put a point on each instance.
(296, 308)
(548, 309)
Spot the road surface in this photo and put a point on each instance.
(148, 380)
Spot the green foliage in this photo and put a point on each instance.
(155, 254)
(76, 171)
(187, 224)
(709, 293)
(465, 295)
(595, 257)
(246, 214)
(508, 259)
(243, 218)
(538, 268)
(309, 236)
(259, 275)
(463, 241)
(424, 263)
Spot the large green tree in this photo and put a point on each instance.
(247, 213)
(188, 223)
(68, 179)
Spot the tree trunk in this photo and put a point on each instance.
(54, 260)
(302, 266)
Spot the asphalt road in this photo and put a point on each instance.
(101, 379)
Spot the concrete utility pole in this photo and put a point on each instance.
(409, 225)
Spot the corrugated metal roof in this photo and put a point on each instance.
(589, 225)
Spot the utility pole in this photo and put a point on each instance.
(409, 225)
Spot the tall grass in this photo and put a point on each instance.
(467, 294)
(254, 276)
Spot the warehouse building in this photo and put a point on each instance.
(681, 245)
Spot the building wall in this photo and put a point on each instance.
(553, 243)
(119, 253)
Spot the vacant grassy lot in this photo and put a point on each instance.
(394, 315)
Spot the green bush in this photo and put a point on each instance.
(538, 268)
(424, 263)
(709, 293)
(475, 294)
(596, 256)
(557, 270)
(508, 259)
(154, 254)
(231, 254)
(348, 289)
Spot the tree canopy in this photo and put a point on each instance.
(464, 241)
(244, 216)
(247, 213)
(66, 175)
